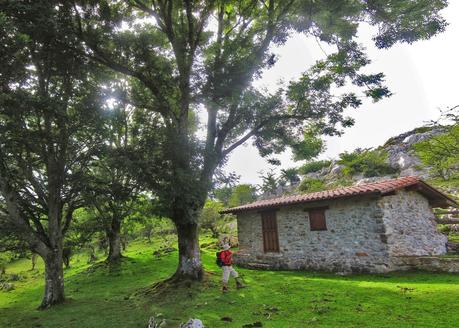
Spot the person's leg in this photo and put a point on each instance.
(236, 277)
(225, 278)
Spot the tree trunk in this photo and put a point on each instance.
(190, 266)
(54, 279)
(52, 254)
(114, 241)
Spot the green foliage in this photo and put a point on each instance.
(340, 181)
(311, 146)
(313, 166)
(223, 194)
(120, 297)
(441, 153)
(289, 176)
(311, 185)
(270, 182)
(242, 194)
(453, 234)
(210, 215)
(211, 219)
(231, 196)
(370, 163)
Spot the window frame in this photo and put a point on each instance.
(315, 225)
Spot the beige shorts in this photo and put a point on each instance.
(227, 272)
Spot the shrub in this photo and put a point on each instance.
(314, 166)
(370, 163)
(210, 218)
(441, 153)
(311, 185)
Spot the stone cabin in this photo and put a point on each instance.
(363, 228)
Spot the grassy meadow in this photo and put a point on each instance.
(123, 296)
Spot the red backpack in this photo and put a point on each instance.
(219, 260)
(222, 259)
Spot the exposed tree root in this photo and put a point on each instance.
(111, 266)
(177, 283)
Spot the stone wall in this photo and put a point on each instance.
(351, 243)
(363, 235)
(410, 226)
(428, 263)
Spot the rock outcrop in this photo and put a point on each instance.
(401, 157)
(401, 151)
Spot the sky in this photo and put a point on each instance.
(423, 78)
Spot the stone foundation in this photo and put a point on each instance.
(427, 263)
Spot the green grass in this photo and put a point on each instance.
(104, 297)
(454, 237)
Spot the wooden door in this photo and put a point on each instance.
(269, 228)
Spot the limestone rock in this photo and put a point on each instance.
(156, 323)
(336, 169)
(192, 323)
(401, 152)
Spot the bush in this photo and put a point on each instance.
(444, 228)
(314, 166)
(370, 163)
(311, 185)
(441, 153)
(211, 220)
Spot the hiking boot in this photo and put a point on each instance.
(224, 289)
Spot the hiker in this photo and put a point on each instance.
(225, 261)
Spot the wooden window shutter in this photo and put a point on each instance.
(269, 228)
(317, 220)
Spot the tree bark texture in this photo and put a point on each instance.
(54, 279)
(190, 266)
(114, 241)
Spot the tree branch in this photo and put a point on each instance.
(257, 128)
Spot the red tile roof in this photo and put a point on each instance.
(435, 197)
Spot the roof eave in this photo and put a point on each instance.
(273, 206)
(436, 198)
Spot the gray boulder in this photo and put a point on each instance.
(192, 323)
(156, 323)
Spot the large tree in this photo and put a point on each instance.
(113, 191)
(49, 123)
(186, 55)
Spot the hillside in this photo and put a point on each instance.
(398, 156)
